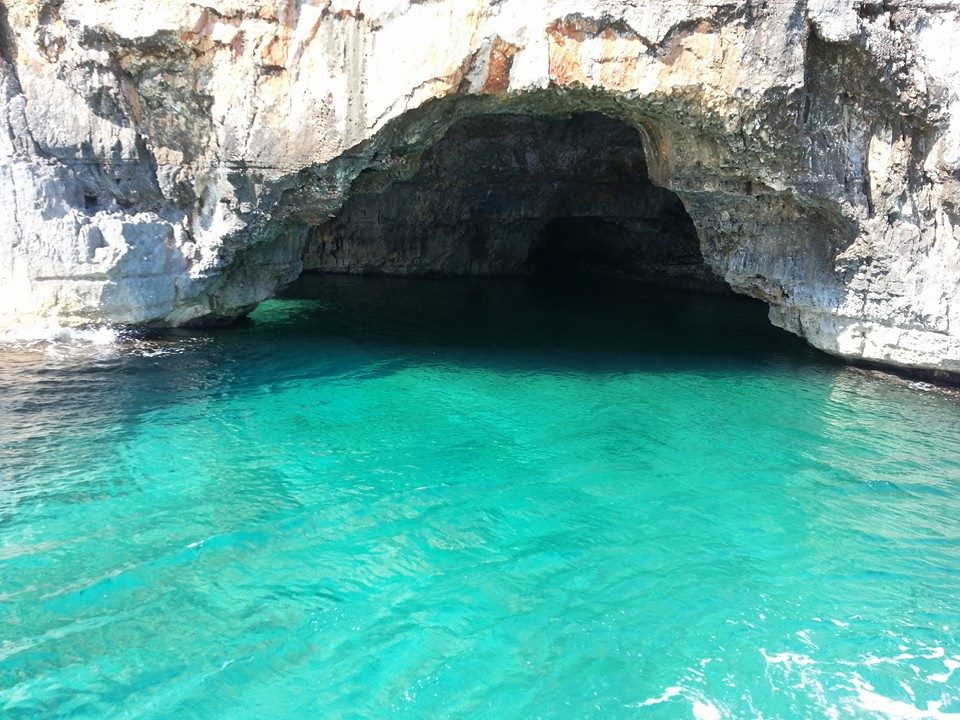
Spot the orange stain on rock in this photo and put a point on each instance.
(499, 65)
(274, 53)
(565, 36)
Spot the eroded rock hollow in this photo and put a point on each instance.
(514, 194)
(168, 163)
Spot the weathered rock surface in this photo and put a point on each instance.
(513, 194)
(164, 162)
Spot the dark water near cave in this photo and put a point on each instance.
(492, 499)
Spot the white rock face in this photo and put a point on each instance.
(162, 162)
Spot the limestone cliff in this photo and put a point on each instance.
(164, 162)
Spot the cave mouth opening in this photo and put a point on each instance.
(508, 194)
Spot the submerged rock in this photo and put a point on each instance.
(165, 163)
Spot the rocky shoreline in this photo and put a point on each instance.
(167, 164)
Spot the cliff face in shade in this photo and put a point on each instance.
(164, 162)
(515, 194)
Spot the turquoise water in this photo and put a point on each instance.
(492, 499)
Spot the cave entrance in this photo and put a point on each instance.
(516, 194)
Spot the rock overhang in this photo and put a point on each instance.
(814, 144)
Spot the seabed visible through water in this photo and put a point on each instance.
(475, 498)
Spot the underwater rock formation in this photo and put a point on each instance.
(165, 163)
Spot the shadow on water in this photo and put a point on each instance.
(341, 329)
(180, 509)
(579, 326)
(349, 329)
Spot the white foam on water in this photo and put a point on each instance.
(670, 692)
(799, 669)
(67, 343)
(951, 664)
(806, 672)
(54, 333)
(872, 701)
(787, 658)
(702, 707)
(93, 336)
(705, 710)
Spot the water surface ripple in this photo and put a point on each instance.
(495, 499)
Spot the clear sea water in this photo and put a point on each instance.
(475, 499)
